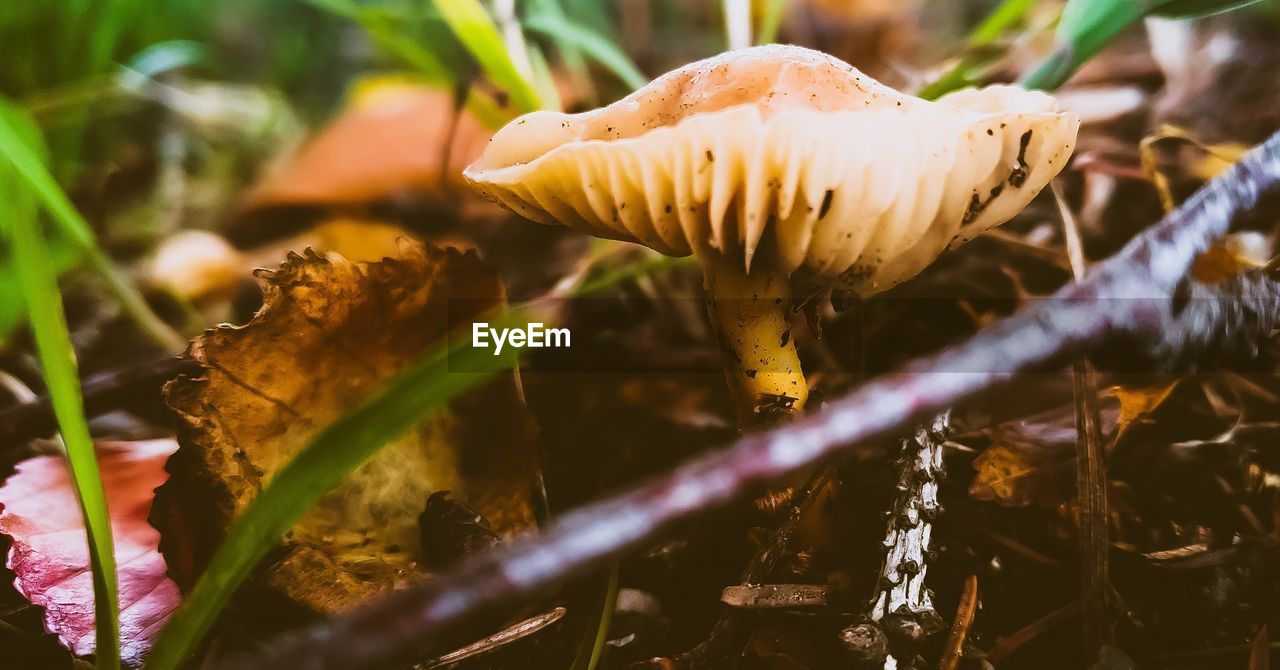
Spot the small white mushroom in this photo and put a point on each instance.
(776, 162)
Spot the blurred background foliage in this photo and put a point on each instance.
(152, 118)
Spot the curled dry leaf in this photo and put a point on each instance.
(50, 553)
(331, 331)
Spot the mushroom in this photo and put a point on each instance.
(775, 165)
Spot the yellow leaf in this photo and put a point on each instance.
(1138, 402)
(1015, 476)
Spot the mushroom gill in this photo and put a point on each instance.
(779, 160)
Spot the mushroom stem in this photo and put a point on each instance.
(749, 314)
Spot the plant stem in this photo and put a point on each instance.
(737, 23)
(132, 303)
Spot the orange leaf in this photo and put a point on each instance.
(1138, 402)
(398, 139)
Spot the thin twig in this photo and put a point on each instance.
(728, 636)
(499, 640)
(1130, 294)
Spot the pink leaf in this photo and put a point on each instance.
(50, 554)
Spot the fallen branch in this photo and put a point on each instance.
(102, 392)
(1131, 295)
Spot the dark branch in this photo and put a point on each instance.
(102, 392)
(1130, 294)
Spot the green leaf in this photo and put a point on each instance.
(471, 23)
(591, 43)
(39, 288)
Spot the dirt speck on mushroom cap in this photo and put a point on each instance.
(786, 149)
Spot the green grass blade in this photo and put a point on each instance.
(473, 26)
(1007, 14)
(1087, 26)
(1190, 9)
(385, 31)
(544, 81)
(30, 168)
(771, 20)
(39, 285)
(596, 47)
(570, 56)
(13, 308)
(967, 69)
(592, 648)
(407, 399)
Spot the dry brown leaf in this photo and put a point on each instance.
(1018, 476)
(1138, 402)
(329, 332)
(1030, 460)
(1230, 256)
(1177, 161)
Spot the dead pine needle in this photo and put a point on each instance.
(954, 649)
(1091, 471)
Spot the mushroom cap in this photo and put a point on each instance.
(785, 154)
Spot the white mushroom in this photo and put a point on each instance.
(779, 161)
